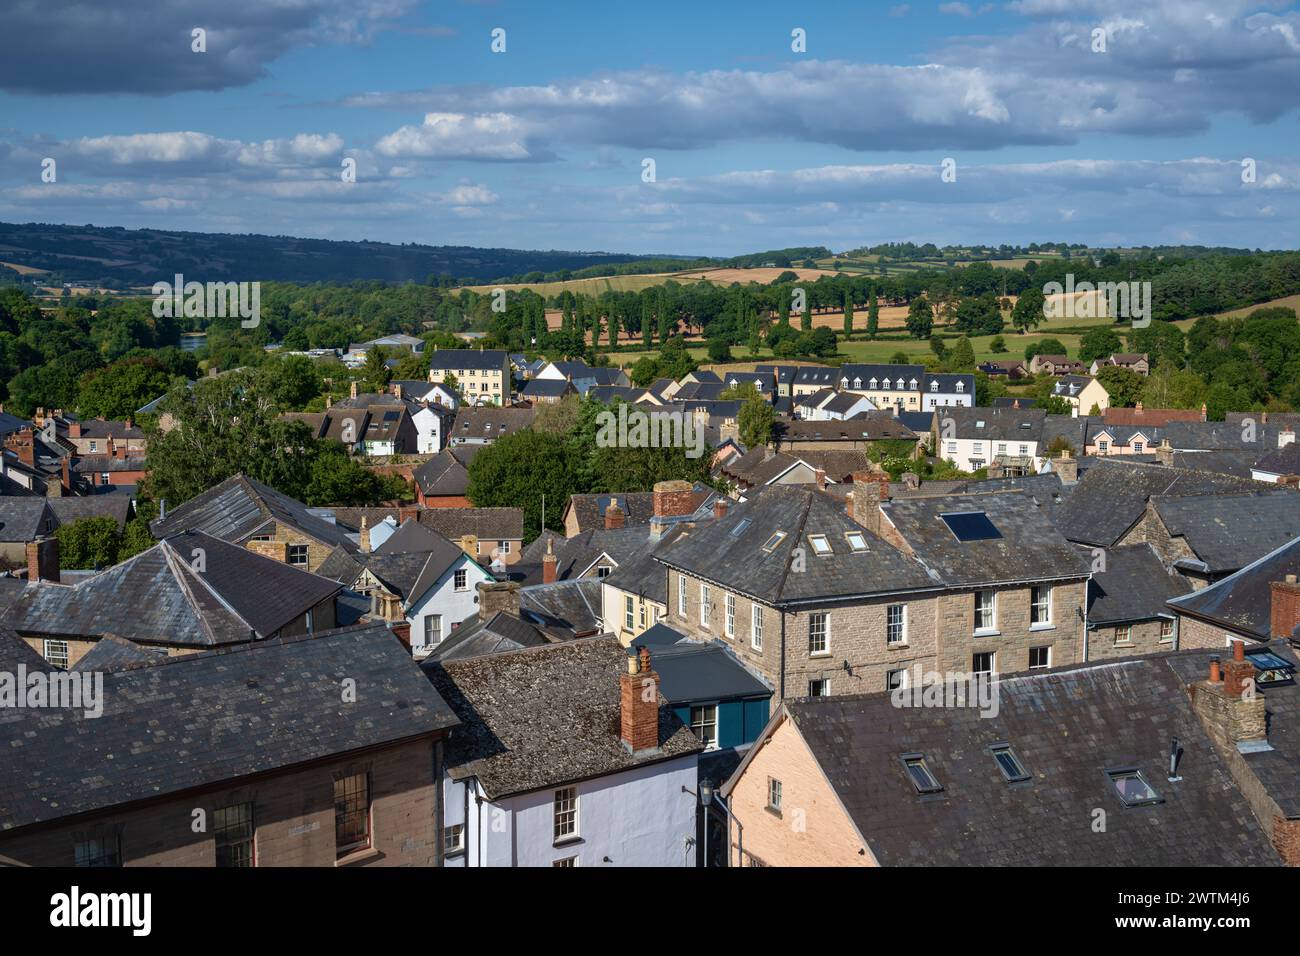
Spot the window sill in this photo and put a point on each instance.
(357, 856)
(897, 646)
(567, 841)
(1042, 627)
(819, 653)
(774, 811)
(992, 632)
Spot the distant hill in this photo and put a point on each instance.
(119, 258)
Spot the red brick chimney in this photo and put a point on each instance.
(674, 498)
(720, 508)
(74, 429)
(43, 559)
(1285, 607)
(22, 443)
(1238, 673)
(549, 562)
(820, 477)
(614, 516)
(638, 706)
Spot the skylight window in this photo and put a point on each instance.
(857, 540)
(970, 526)
(773, 541)
(819, 544)
(740, 527)
(920, 775)
(1132, 788)
(1271, 668)
(1012, 769)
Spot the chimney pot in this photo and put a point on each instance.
(614, 516)
(720, 508)
(1215, 676)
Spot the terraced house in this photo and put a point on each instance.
(821, 599)
(482, 375)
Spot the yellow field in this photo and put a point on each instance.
(24, 270)
(637, 283)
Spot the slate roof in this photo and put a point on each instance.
(158, 597)
(241, 507)
(730, 552)
(1242, 602)
(1067, 727)
(998, 424)
(487, 524)
(868, 426)
(118, 430)
(451, 360)
(542, 717)
(1223, 436)
(1150, 416)
(1227, 532)
(412, 537)
(113, 653)
(68, 510)
(566, 605)
(14, 651)
(1281, 461)
(1235, 463)
(446, 474)
(1029, 548)
(1111, 496)
(410, 574)
(948, 383)
(589, 509)
(485, 423)
(500, 633)
(1133, 587)
(203, 720)
(700, 391)
(1278, 769)
(546, 388)
(22, 518)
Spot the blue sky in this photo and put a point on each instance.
(755, 145)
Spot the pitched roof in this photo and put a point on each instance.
(500, 633)
(488, 422)
(446, 473)
(995, 424)
(1134, 586)
(1227, 532)
(113, 653)
(242, 506)
(1242, 602)
(1067, 727)
(1149, 416)
(1111, 496)
(565, 605)
(451, 360)
(67, 510)
(160, 596)
(22, 518)
(693, 670)
(202, 720)
(1027, 547)
(545, 716)
(413, 537)
(486, 524)
(737, 551)
(868, 426)
(1281, 461)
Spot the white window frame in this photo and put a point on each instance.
(704, 722)
(825, 618)
(53, 655)
(1123, 635)
(992, 626)
(565, 815)
(460, 579)
(706, 605)
(1040, 602)
(901, 625)
(681, 595)
(774, 794)
(825, 683)
(1040, 667)
(1173, 631)
(432, 630)
(730, 606)
(629, 612)
(756, 626)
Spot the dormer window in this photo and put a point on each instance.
(934, 386)
(844, 382)
(886, 385)
(873, 383)
(911, 385)
(961, 386)
(857, 383)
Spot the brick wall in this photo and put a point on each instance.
(293, 814)
(1193, 633)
